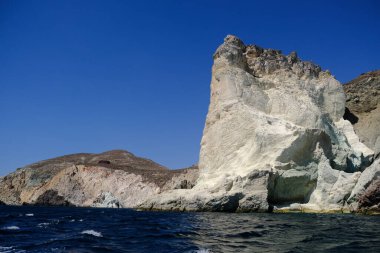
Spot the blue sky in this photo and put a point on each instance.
(90, 76)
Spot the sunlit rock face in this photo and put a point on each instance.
(274, 137)
(113, 179)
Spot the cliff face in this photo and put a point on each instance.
(363, 110)
(274, 137)
(278, 136)
(111, 179)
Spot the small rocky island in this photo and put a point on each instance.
(279, 136)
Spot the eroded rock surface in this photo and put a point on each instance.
(363, 108)
(274, 137)
(365, 196)
(278, 136)
(111, 179)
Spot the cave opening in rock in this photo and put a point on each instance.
(286, 190)
(348, 115)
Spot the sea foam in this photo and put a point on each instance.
(11, 228)
(92, 232)
(10, 250)
(203, 251)
(43, 224)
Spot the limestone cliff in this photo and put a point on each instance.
(274, 138)
(111, 179)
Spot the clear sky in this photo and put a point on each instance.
(91, 76)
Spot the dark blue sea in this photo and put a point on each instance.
(59, 229)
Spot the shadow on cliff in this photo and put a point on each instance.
(352, 118)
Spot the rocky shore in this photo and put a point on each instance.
(281, 135)
(276, 139)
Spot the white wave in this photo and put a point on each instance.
(92, 232)
(43, 224)
(5, 248)
(54, 221)
(29, 214)
(11, 228)
(202, 251)
(10, 250)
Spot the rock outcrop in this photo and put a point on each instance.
(363, 111)
(365, 196)
(279, 136)
(363, 108)
(111, 179)
(274, 138)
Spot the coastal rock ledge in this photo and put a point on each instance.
(275, 139)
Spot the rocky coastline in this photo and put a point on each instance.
(276, 139)
(281, 135)
(116, 179)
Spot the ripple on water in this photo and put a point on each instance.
(163, 232)
(202, 251)
(246, 234)
(43, 224)
(10, 250)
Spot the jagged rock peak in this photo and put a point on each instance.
(232, 39)
(260, 61)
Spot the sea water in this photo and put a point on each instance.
(60, 229)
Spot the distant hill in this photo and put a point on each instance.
(114, 178)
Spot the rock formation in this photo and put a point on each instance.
(278, 136)
(363, 108)
(111, 179)
(363, 111)
(274, 137)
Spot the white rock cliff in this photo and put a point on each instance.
(274, 137)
